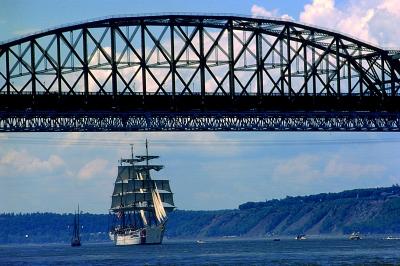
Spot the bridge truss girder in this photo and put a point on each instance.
(183, 63)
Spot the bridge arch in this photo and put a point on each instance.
(207, 65)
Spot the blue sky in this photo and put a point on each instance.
(53, 172)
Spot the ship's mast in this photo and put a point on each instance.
(148, 176)
(78, 222)
(74, 224)
(147, 156)
(134, 212)
(122, 188)
(132, 152)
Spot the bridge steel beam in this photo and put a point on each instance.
(196, 72)
(198, 121)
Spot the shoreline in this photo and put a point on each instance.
(222, 239)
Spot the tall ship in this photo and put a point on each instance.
(139, 203)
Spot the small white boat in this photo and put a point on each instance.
(300, 237)
(200, 242)
(355, 236)
(392, 238)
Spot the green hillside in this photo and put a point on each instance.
(369, 211)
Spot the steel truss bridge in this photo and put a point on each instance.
(196, 72)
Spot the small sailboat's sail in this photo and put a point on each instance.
(76, 238)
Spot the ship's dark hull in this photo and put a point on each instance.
(75, 243)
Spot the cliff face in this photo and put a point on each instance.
(364, 210)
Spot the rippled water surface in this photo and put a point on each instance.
(222, 252)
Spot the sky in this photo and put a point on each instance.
(207, 170)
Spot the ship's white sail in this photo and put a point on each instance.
(158, 206)
(142, 211)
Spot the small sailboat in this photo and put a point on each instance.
(76, 239)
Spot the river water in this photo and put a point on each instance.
(211, 252)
